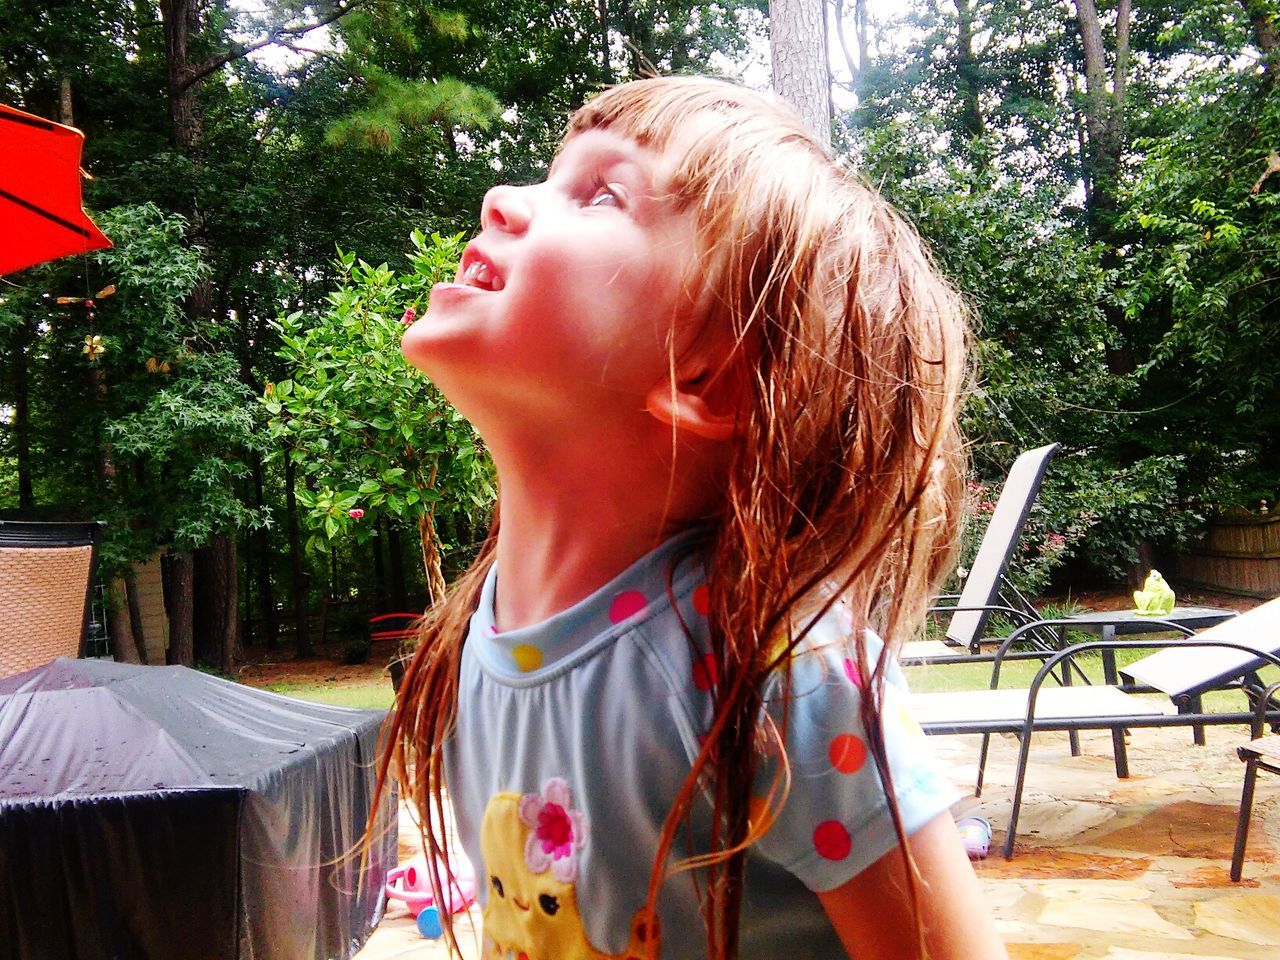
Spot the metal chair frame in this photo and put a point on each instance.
(1254, 761)
(1187, 704)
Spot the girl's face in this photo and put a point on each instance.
(564, 303)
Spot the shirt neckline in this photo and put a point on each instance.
(534, 651)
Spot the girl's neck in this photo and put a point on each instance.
(573, 519)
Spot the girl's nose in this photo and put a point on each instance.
(505, 208)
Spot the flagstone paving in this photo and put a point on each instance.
(1104, 869)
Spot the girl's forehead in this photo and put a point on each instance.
(600, 144)
(604, 146)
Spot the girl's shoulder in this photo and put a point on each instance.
(829, 649)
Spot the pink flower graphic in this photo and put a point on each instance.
(557, 831)
(410, 315)
(355, 514)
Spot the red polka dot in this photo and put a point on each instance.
(704, 672)
(702, 599)
(832, 840)
(626, 604)
(847, 752)
(851, 671)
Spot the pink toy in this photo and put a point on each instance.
(411, 883)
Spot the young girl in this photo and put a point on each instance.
(719, 380)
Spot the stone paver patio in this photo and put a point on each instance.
(1105, 869)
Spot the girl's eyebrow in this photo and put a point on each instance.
(605, 158)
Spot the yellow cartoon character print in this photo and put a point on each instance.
(531, 845)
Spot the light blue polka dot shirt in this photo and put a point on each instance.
(593, 718)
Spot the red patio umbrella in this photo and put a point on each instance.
(40, 213)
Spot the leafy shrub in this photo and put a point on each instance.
(356, 652)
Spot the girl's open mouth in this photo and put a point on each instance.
(477, 272)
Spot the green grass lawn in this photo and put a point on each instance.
(934, 678)
(376, 694)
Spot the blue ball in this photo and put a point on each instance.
(429, 923)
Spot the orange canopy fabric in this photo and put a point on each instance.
(40, 213)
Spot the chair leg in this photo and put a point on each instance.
(1120, 751)
(1242, 824)
(1073, 738)
(1197, 729)
(982, 763)
(1019, 777)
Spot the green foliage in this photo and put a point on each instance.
(370, 436)
(1181, 424)
(191, 442)
(356, 652)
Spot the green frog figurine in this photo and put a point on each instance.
(1155, 599)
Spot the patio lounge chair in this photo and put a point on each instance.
(46, 579)
(1227, 655)
(986, 584)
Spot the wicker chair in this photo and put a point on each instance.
(46, 578)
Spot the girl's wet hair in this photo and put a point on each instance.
(847, 464)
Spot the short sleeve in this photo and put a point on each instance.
(836, 820)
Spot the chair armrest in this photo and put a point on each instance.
(1070, 651)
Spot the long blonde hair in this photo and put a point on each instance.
(847, 463)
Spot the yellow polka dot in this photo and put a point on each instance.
(527, 657)
(908, 722)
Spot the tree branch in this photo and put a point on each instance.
(277, 36)
(854, 68)
(1121, 80)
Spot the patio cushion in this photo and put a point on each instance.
(1054, 703)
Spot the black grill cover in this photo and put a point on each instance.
(159, 813)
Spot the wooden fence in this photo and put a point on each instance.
(1239, 554)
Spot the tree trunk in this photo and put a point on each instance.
(179, 571)
(1106, 134)
(1266, 34)
(379, 568)
(297, 565)
(232, 638)
(1104, 147)
(857, 67)
(322, 629)
(798, 50)
(968, 84)
(396, 561)
(66, 115)
(135, 615)
(21, 426)
(123, 649)
(181, 18)
(602, 11)
(216, 634)
(262, 539)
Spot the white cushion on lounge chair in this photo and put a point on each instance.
(982, 585)
(1193, 669)
(1053, 703)
(928, 648)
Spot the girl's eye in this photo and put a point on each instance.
(497, 885)
(549, 904)
(604, 196)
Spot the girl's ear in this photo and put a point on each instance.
(705, 403)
